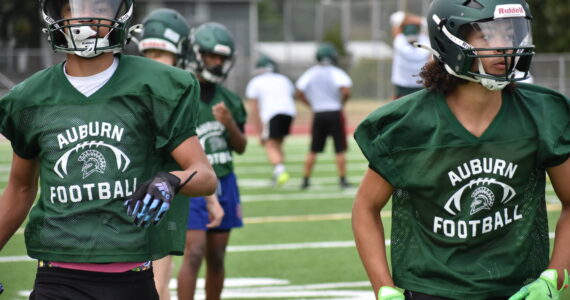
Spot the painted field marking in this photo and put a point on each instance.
(256, 248)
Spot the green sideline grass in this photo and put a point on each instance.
(302, 238)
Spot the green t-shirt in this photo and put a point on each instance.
(469, 216)
(94, 151)
(213, 136)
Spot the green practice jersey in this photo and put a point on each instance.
(214, 137)
(94, 151)
(469, 213)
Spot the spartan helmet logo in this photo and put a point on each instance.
(93, 161)
(483, 198)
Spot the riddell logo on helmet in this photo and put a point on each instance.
(509, 11)
(153, 45)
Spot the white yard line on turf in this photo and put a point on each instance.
(243, 171)
(298, 196)
(253, 248)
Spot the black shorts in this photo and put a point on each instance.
(279, 126)
(328, 123)
(61, 283)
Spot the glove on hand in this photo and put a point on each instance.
(545, 287)
(152, 199)
(390, 293)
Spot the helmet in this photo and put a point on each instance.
(166, 29)
(212, 38)
(327, 54)
(450, 23)
(87, 28)
(264, 63)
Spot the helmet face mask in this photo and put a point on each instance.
(212, 40)
(490, 42)
(166, 30)
(87, 28)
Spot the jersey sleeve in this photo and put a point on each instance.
(341, 78)
(14, 124)
(554, 133)
(251, 90)
(179, 123)
(370, 138)
(303, 81)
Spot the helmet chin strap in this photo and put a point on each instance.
(490, 84)
(81, 38)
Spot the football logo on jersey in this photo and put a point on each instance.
(213, 141)
(482, 196)
(121, 158)
(217, 143)
(93, 161)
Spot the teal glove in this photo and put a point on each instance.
(390, 293)
(545, 287)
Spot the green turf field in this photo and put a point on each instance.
(295, 244)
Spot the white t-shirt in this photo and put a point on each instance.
(408, 61)
(274, 94)
(321, 85)
(88, 85)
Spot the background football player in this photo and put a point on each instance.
(270, 96)
(220, 128)
(325, 88)
(165, 38)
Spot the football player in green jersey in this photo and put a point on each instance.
(95, 133)
(165, 38)
(465, 162)
(220, 128)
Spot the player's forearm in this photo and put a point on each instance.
(369, 237)
(561, 253)
(258, 126)
(15, 204)
(345, 94)
(204, 183)
(237, 141)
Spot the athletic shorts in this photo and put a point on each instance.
(419, 296)
(61, 283)
(278, 127)
(325, 124)
(228, 195)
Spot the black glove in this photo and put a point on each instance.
(152, 199)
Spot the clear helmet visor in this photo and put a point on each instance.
(499, 33)
(499, 47)
(85, 9)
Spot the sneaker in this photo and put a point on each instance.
(345, 185)
(305, 184)
(282, 178)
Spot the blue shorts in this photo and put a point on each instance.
(228, 195)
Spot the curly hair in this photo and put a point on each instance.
(436, 78)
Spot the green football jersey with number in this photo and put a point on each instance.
(94, 151)
(213, 136)
(468, 213)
